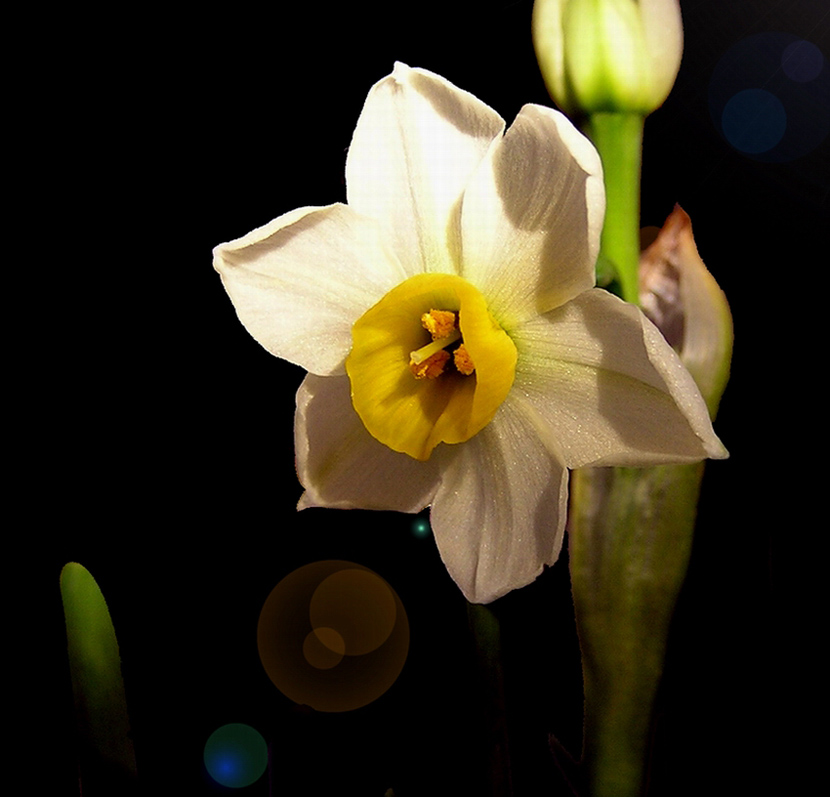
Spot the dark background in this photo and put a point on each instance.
(157, 434)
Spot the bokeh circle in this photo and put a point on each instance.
(236, 755)
(754, 121)
(769, 97)
(420, 527)
(333, 635)
(802, 61)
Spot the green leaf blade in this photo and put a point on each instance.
(106, 751)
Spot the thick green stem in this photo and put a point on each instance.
(630, 538)
(619, 139)
(487, 635)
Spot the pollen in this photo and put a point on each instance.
(463, 361)
(439, 323)
(432, 367)
(431, 360)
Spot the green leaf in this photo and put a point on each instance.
(107, 757)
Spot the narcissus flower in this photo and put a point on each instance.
(608, 55)
(458, 353)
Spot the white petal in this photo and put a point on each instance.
(342, 466)
(416, 143)
(301, 281)
(532, 217)
(499, 514)
(609, 386)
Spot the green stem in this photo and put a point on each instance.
(619, 139)
(630, 538)
(487, 635)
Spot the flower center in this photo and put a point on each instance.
(429, 361)
(461, 375)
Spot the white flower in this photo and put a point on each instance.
(497, 233)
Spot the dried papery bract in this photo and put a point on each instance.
(682, 298)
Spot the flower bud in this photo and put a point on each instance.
(618, 56)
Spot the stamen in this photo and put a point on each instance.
(463, 361)
(439, 323)
(429, 361)
(419, 355)
(432, 367)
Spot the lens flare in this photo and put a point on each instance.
(768, 97)
(420, 527)
(333, 635)
(754, 121)
(236, 755)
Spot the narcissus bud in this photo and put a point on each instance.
(617, 56)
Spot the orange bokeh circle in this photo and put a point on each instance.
(333, 635)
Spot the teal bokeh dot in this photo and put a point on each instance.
(236, 755)
(420, 527)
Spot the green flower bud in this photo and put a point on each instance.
(608, 55)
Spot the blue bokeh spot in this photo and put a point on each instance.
(769, 95)
(754, 121)
(236, 755)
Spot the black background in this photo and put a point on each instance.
(157, 434)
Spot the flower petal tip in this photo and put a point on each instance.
(716, 450)
(401, 71)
